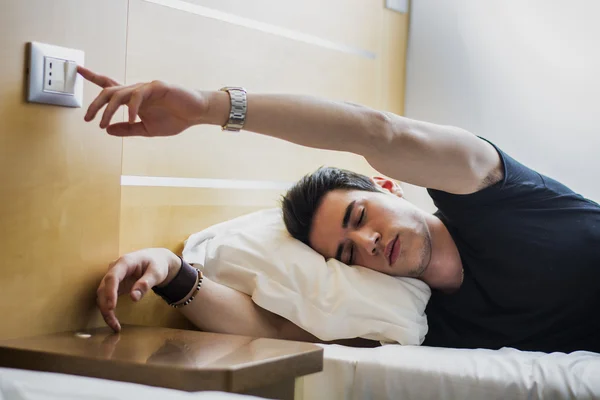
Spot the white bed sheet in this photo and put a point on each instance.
(420, 372)
(18, 384)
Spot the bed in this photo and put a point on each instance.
(388, 372)
(413, 372)
(20, 384)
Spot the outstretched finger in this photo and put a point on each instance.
(99, 102)
(117, 99)
(100, 80)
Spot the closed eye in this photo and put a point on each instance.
(359, 222)
(361, 218)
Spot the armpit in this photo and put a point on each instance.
(495, 176)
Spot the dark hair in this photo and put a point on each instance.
(301, 201)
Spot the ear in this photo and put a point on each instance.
(388, 185)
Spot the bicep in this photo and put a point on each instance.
(439, 157)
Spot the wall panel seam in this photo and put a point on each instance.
(263, 27)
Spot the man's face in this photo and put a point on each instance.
(376, 230)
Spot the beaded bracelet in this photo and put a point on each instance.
(198, 286)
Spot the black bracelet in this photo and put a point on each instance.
(183, 283)
(198, 286)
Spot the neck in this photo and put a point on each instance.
(445, 271)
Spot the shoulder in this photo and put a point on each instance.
(503, 179)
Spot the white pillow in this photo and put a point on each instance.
(255, 254)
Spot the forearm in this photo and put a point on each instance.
(218, 308)
(307, 121)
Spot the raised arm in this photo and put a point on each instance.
(424, 154)
(420, 153)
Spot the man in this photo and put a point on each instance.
(512, 257)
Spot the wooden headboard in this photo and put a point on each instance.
(74, 198)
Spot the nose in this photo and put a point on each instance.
(366, 239)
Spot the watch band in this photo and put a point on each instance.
(180, 286)
(239, 105)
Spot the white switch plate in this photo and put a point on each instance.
(53, 77)
(397, 5)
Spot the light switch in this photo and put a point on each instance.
(59, 76)
(70, 76)
(53, 77)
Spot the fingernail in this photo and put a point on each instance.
(136, 295)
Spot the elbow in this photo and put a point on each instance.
(381, 133)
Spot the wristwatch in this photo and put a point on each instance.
(239, 105)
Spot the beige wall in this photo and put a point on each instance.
(67, 215)
(523, 74)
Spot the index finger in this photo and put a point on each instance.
(111, 320)
(112, 280)
(107, 313)
(100, 80)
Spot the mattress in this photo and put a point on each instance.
(420, 372)
(18, 384)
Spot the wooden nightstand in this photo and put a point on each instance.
(171, 358)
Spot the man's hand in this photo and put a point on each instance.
(164, 109)
(134, 273)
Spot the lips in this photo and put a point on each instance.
(392, 250)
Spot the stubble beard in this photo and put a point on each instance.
(424, 256)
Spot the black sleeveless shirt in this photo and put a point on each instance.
(530, 249)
